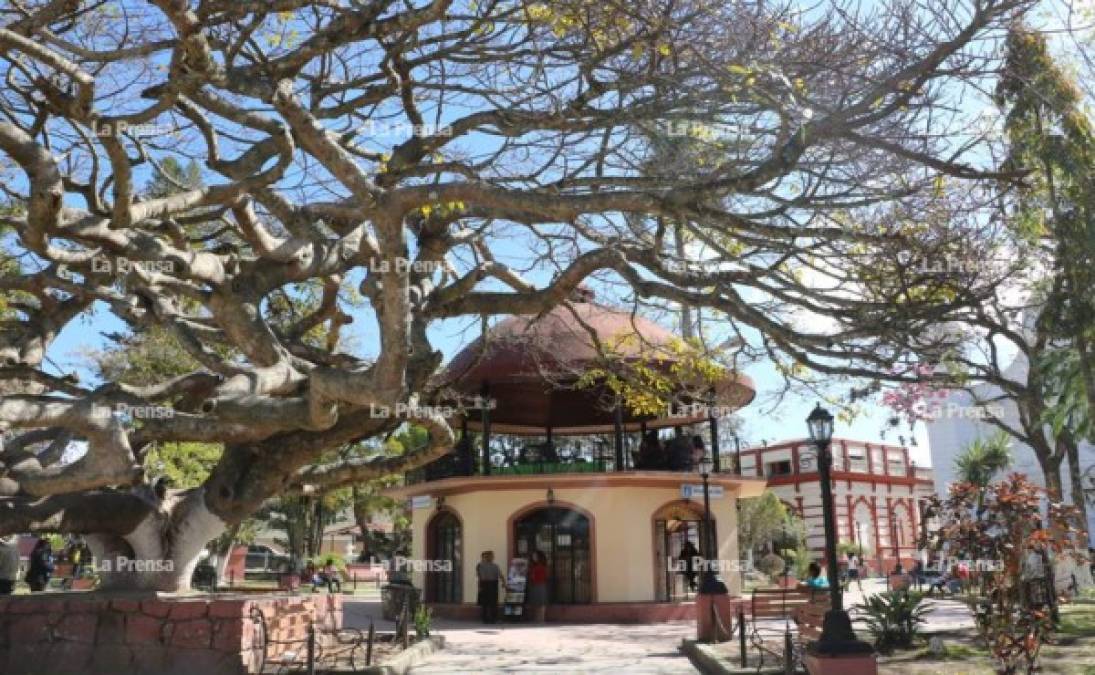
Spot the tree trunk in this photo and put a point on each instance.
(161, 552)
(1087, 371)
(686, 311)
(1076, 483)
(315, 528)
(1080, 572)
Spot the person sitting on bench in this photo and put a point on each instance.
(330, 576)
(946, 582)
(814, 580)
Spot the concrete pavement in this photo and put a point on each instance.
(552, 648)
(589, 648)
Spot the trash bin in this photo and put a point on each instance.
(394, 595)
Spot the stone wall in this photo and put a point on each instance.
(112, 633)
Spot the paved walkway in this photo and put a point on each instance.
(554, 648)
(946, 615)
(589, 648)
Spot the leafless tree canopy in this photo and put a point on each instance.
(509, 150)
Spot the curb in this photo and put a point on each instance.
(409, 658)
(709, 664)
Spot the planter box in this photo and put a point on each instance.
(707, 628)
(858, 664)
(100, 633)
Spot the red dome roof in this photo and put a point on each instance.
(529, 364)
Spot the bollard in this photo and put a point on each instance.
(788, 654)
(741, 637)
(369, 644)
(311, 648)
(406, 622)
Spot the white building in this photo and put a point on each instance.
(878, 494)
(956, 425)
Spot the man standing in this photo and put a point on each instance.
(489, 576)
(9, 563)
(853, 573)
(41, 566)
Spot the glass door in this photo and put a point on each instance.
(562, 535)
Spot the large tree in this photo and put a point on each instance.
(501, 146)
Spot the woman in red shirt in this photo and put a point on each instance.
(537, 586)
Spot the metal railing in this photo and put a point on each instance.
(534, 460)
(329, 649)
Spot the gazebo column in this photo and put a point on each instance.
(484, 418)
(467, 463)
(618, 427)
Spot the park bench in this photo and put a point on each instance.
(775, 604)
(810, 618)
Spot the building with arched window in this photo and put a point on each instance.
(878, 495)
(551, 460)
(613, 540)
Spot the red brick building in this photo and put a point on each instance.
(878, 493)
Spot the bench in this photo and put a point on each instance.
(804, 607)
(774, 604)
(780, 603)
(810, 618)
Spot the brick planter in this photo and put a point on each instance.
(110, 633)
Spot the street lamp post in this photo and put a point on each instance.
(710, 584)
(837, 636)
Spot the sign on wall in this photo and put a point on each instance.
(696, 491)
(422, 502)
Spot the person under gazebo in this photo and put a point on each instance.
(651, 454)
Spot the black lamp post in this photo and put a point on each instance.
(710, 584)
(837, 636)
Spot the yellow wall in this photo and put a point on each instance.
(623, 534)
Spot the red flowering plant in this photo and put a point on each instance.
(1000, 532)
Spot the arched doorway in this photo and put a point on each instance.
(444, 542)
(864, 530)
(902, 535)
(677, 525)
(563, 535)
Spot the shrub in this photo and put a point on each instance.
(1003, 523)
(321, 560)
(894, 619)
(423, 617)
(771, 564)
(798, 560)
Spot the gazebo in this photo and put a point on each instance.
(546, 462)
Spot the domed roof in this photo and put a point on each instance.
(527, 367)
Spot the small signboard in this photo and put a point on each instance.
(422, 502)
(696, 491)
(513, 606)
